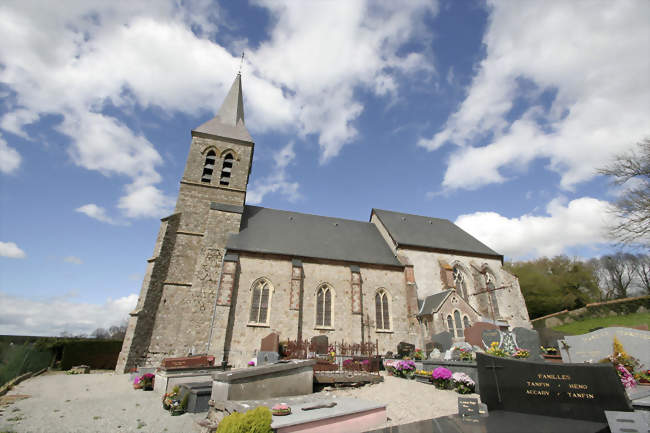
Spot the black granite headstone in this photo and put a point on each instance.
(577, 391)
(405, 349)
(444, 339)
(491, 335)
(549, 337)
(467, 406)
(529, 340)
(320, 343)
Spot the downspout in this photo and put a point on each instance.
(216, 296)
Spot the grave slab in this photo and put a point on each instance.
(199, 396)
(628, 422)
(294, 377)
(574, 391)
(166, 380)
(596, 345)
(498, 422)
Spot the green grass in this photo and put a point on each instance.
(583, 326)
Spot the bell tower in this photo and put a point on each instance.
(176, 314)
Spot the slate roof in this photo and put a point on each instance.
(433, 302)
(265, 230)
(229, 121)
(427, 232)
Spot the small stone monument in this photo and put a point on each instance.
(405, 349)
(269, 350)
(320, 344)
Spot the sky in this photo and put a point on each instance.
(494, 115)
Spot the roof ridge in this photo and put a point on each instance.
(411, 214)
(311, 214)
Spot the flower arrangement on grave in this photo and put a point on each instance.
(331, 353)
(418, 354)
(642, 376)
(548, 350)
(389, 365)
(441, 378)
(465, 354)
(520, 353)
(173, 402)
(146, 380)
(136, 383)
(495, 350)
(462, 383)
(405, 368)
(251, 363)
(280, 409)
(625, 364)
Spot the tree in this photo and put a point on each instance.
(616, 273)
(642, 272)
(551, 285)
(632, 170)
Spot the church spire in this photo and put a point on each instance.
(229, 121)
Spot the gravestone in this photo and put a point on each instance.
(428, 348)
(320, 344)
(187, 362)
(489, 336)
(264, 358)
(270, 343)
(528, 339)
(473, 334)
(549, 337)
(443, 339)
(405, 349)
(575, 391)
(594, 346)
(628, 422)
(199, 396)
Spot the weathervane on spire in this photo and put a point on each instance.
(241, 62)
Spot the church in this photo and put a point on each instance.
(223, 274)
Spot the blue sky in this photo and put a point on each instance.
(494, 115)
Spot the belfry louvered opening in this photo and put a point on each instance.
(226, 170)
(208, 167)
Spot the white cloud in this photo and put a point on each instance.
(9, 157)
(74, 260)
(11, 250)
(592, 56)
(21, 316)
(75, 60)
(96, 212)
(582, 222)
(277, 180)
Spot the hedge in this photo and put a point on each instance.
(17, 359)
(97, 354)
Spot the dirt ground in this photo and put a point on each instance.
(106, 402)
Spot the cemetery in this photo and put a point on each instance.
(491, 381)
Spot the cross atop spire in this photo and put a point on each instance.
(229, 121)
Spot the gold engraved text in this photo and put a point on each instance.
(554, 376)
(539, 384)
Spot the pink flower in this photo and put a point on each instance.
(441, 373)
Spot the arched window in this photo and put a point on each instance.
(208, 167)
(459, 324)
(381, 310)
(459, 282)
(466, 322)
(226, 169)
(489, 284)
(260, 302)
(450, 325)
(324, 306)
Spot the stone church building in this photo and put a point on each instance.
(223, 274)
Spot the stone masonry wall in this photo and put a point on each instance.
(346, 326)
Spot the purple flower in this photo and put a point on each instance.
(441, 373)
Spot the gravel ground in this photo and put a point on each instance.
(106, 402)
(98, 402)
